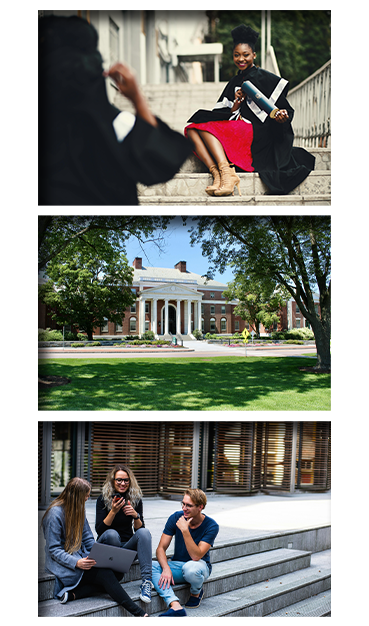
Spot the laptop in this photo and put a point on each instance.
(112, 557)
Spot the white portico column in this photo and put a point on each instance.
(166, 329)
(142, 316)
(199, 316)
(188, 317)
(178, 325)
(154, 313)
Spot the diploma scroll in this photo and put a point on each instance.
(258, 97)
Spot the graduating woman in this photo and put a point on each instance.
(237, 131)
(68, 542)
(89, 151)
(120, 522)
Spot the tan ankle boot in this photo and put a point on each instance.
(228, 179)
(216, 182)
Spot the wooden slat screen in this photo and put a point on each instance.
(237, 457)
(176, 456)
(135, 444)
(277, 452)
(40, 446)
(314, 456)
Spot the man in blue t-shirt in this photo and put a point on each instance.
(194, 534)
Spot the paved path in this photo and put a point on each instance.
(193, 349)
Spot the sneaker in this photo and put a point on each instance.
(64, 598)
(145, 591)
(172, 613)
(194, 602)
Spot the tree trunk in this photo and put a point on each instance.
(323, 345)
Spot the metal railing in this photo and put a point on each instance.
(312, 103)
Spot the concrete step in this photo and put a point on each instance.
(308, 540)
(317, 606)
(263, 598)
(322, 161)
(252, 201)
(190, 188)
(226, 577)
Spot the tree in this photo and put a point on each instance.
(301, 39)
(57, 233)
(294, 251)
(85, 288)
(259, 302)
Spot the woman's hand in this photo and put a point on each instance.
(128, 86)
(116, 505)
(281, 116)
(129, 510)
(239, 98)
(124, 79)
(85, 563)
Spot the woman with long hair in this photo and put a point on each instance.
(237, 132)
(119, 521)
(69, 540)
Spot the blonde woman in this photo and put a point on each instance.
(69, 539)
(119, 521)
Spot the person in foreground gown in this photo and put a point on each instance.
(90, 153)
(238, 132)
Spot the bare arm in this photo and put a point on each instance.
(196, 551)
(166, 578)
(128, 86)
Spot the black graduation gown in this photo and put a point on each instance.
(82, 163)
(280, 165)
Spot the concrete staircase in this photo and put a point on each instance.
(174, 104)
(275, 574)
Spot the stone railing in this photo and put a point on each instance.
(312, 103)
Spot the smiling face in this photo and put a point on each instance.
(243, 56)
(121, 481)
(189, 508)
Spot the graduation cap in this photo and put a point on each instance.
(244, 34)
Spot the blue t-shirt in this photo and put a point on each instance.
(207, 531)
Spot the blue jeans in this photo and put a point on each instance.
(140, 541)
(192, 572)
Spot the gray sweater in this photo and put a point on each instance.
(57, 560)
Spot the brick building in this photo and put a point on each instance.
(176, 301)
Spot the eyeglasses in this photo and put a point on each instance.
(121, 480)
(187, 506)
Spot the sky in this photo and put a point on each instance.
(176, 248)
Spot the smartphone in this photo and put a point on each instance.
(117, 497)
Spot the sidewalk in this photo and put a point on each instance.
(238, 517)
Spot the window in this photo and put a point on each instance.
(212, 309)
(133, 308)
(147, 307)
(202, 325)
(297, 308)
(212, 324)
(105, 327)
(237, 325)
(223, 325)
(118, 328)
(212, 294)
(297, 323)
(202, 309)
(132, 325)
(147, 325)
(223, 309)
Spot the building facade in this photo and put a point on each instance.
(230, 457)
(176, 301)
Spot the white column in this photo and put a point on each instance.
(199, 316)
(166, 329)
(188, 317)
(142, 316)
(178, 317)
(154, 316)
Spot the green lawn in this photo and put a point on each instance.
(185, 384)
